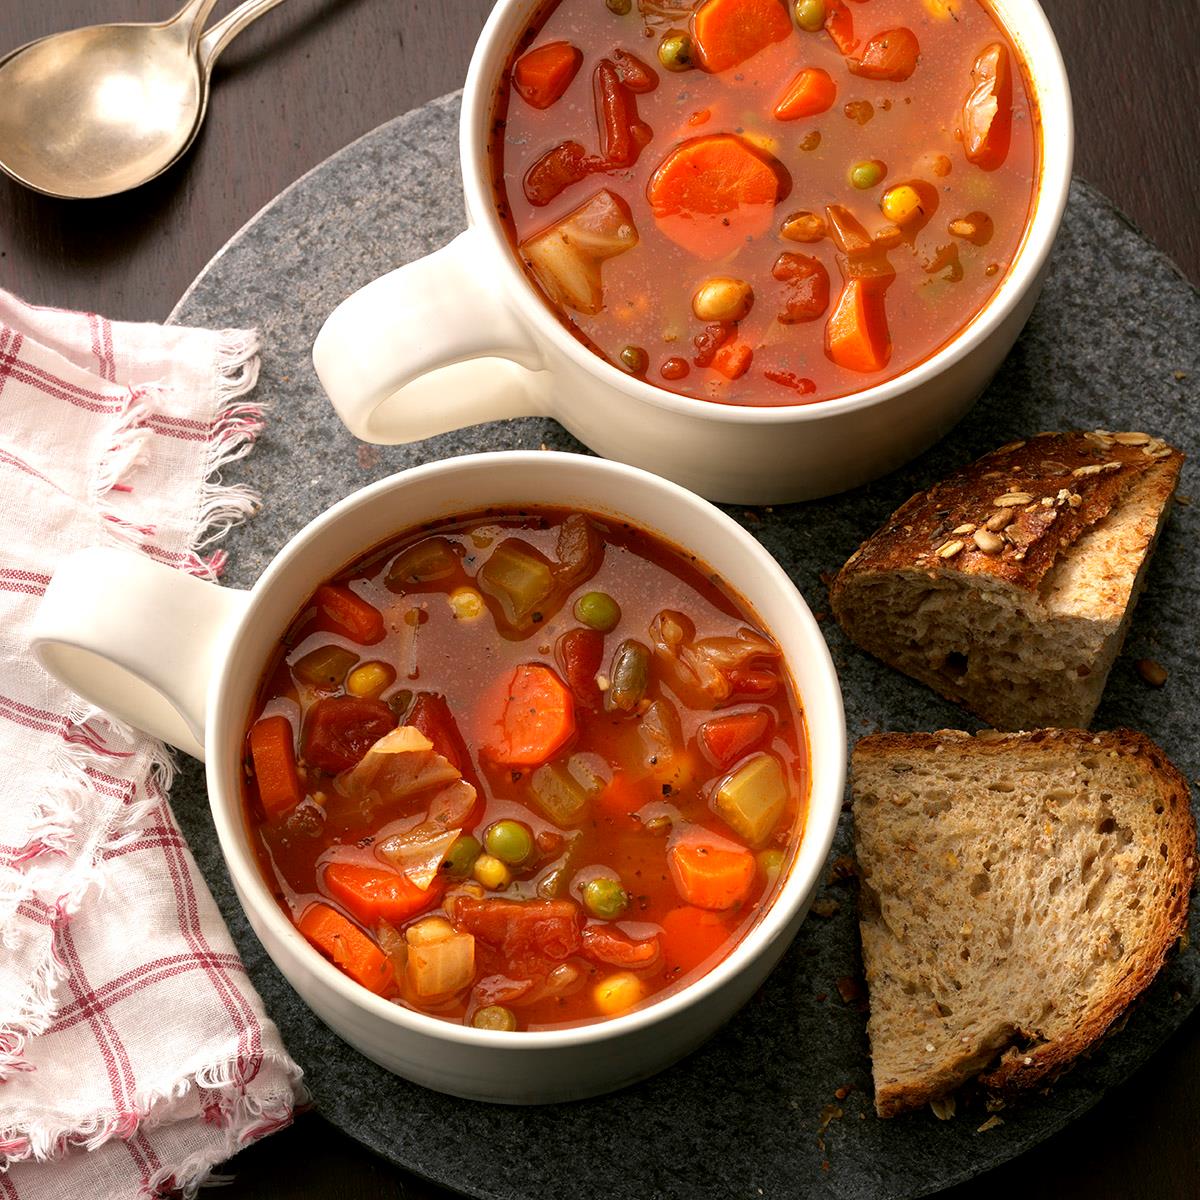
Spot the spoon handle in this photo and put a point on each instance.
(226, 29)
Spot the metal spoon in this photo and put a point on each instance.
(97, 111)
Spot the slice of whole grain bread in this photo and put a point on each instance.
(1018, 892)
(1009, 586)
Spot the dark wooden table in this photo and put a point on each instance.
(317, 73)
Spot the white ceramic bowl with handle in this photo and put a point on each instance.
(462, 336)
(182, 659)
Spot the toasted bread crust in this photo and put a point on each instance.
(1016, 1070)
(1072, 481)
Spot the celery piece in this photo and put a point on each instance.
(519, 578)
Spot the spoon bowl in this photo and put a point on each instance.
(97, 111)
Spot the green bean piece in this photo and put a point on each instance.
(620, 8)
(461, 857)
(635, 360)
(630, 675)
(325, 667)
(495, 1016)
(605, 898)
(810, 15)
(426, 562)
(675, 52)
(867, 174)
(509, 841)
(598, 610)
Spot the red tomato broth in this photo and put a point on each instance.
(469, 663)
(942, 281)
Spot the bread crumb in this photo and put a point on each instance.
(825, 908)
(990, 1123)
(1153, 673)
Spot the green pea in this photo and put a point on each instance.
(675, 52)
(598, 610)
(495, 1016)
(605, 898)
(635, 360)
(462, 856)
(810, 15)
(867, 174)
(509, 841)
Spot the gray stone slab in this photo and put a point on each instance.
(1113, 343)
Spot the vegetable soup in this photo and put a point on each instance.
(525, 769)
(763, 203)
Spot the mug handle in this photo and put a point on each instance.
(428, 348)
(139, 639)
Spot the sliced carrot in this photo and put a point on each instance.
(544, 73)
(353, 615)
(347, 947)
(273, 749)
(726, 739)
(711, 877)
(727, 32)
(733, 360)
(713, 192)
(890, 55)
(691, 936)
(372, 893)
(839, 24)
(537, 720)
(811, 92)
(857, 336)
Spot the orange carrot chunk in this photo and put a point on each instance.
(353, 615)
(711, 877)
(691, 936)
(347, 947)
(713, 192)
(372, 893)
(538, 718)
(857, 336)
(542, 75)
(811, 92)
(987, 111)
(727, 32)
(272, 747)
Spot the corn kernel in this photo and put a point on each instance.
(901, 204)
(618, 993)
(491, 872)
(466, 604)
(943, 10)
(370, 679)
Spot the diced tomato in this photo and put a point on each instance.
(354, 616)
(753, 682)
(431, 715)
(580, 653)
(339, 730)
(987, 110)
(891, 55)
(733, 360)
(527, 933)
(691, 936)
(728, 738)
(635, 74)
(839, 24)
(613, 948)
(371, 893)
(807, 280)
(623, 134)
(556, 170)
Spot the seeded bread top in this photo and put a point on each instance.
(1011, 513)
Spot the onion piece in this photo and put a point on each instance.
(705, 664)
(400, 764)
(566, 258)
(420, 852)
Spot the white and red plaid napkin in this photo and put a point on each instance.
(134, 1052)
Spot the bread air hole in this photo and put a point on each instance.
(955, 664)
